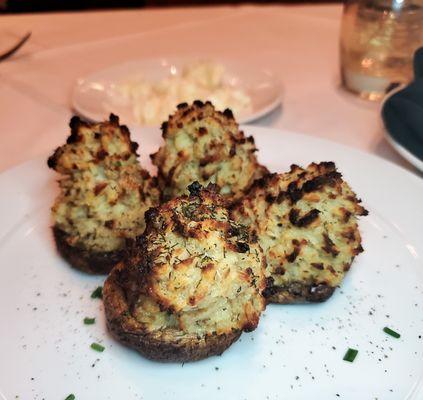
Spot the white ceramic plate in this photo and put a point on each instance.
(402, 151)
(297, 350)
(94, 97)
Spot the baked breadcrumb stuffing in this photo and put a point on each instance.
(205, 145)
(104, 190)
(306, 222)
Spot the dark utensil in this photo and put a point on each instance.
(15, 48)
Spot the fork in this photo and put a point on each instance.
(15, 48)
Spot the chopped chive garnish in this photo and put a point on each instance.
(97, 347)
(391, 332)
(98, 293)
(350, 355)
(89, 321)
(70, 397)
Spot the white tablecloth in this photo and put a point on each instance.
(299, 43)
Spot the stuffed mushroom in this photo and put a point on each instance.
(306, 223)
(205, 145)
(191, 284)
(104, 194)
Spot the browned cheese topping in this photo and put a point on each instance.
(306, 222)
(195, 271)
(104, 191)
(204, 145)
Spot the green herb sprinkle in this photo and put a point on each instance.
(97, 347)
(392, 333)
(97, 293)
(350, 355)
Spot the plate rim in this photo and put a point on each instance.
(249, 128)
(398, 147)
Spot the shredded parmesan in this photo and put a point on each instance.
(153, 101)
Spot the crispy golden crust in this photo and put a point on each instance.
(204, 145)
(69, 156)
(86, 261)
(306, 222)
(161, 345)
(200, 260)
(191, 283)
(104, 193)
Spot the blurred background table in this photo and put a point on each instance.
(298, 42)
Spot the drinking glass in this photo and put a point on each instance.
(378, 40)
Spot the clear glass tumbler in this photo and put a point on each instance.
(378, 40)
